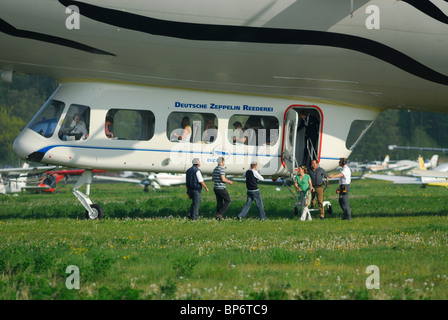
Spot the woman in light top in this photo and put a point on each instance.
(185, 134)
(303, 184)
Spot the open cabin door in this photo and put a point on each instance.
(289, 140)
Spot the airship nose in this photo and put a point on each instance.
(26, 146)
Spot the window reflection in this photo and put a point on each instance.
(123, 124)
(188, 127)
(46, 120)
(253, 130)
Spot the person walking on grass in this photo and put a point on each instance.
(304, 185)
(318, 177)
(222, 195)
(253, 194)
(195, 182)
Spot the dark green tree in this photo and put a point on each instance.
(10, 127)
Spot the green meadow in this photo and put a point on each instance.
(145, 249)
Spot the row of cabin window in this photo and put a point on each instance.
(123, 124)
(139, 125)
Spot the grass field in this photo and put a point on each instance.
(146, 249)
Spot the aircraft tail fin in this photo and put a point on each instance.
(421, 163)
(386, 160)
(434, 160)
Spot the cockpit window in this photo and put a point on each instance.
(46, 120)
(76, 123)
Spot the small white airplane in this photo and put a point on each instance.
(132, 174)
(14, 185)
(148, 65)
(442, 167)
(404, 165)
(431, 177)
(356, 166)
(378, 165)
(155, 180)
(14, 180)
(420, 176)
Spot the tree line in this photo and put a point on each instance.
(403, 128)
(19, 102)
(21, 99)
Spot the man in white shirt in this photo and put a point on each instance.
(345, 178)
(80, 129)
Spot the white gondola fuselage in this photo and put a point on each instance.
(145, 119)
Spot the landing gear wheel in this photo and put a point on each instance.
(330, 209)
(97, 212)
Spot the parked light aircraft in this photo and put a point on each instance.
(421, 176)
(52, 178)
(378, 165)
(147, 65)
(14, 180)
(356, 166)
(403, 165)
(155, 180)
(442, 167)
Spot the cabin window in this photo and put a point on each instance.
(76, 123)
(253, 130)
(46, 120)
(357, 130)
(137, 125)
(186, 127)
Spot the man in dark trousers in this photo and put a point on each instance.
(253, 194)
(311, 125)
(345, 177)
(222, 195)
(195, 182)
(318, 176)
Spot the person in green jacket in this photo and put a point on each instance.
(303, 184)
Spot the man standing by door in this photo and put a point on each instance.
(222, 195)
(195, 182)
(318, 176)
(345, 177)
(311, 125)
